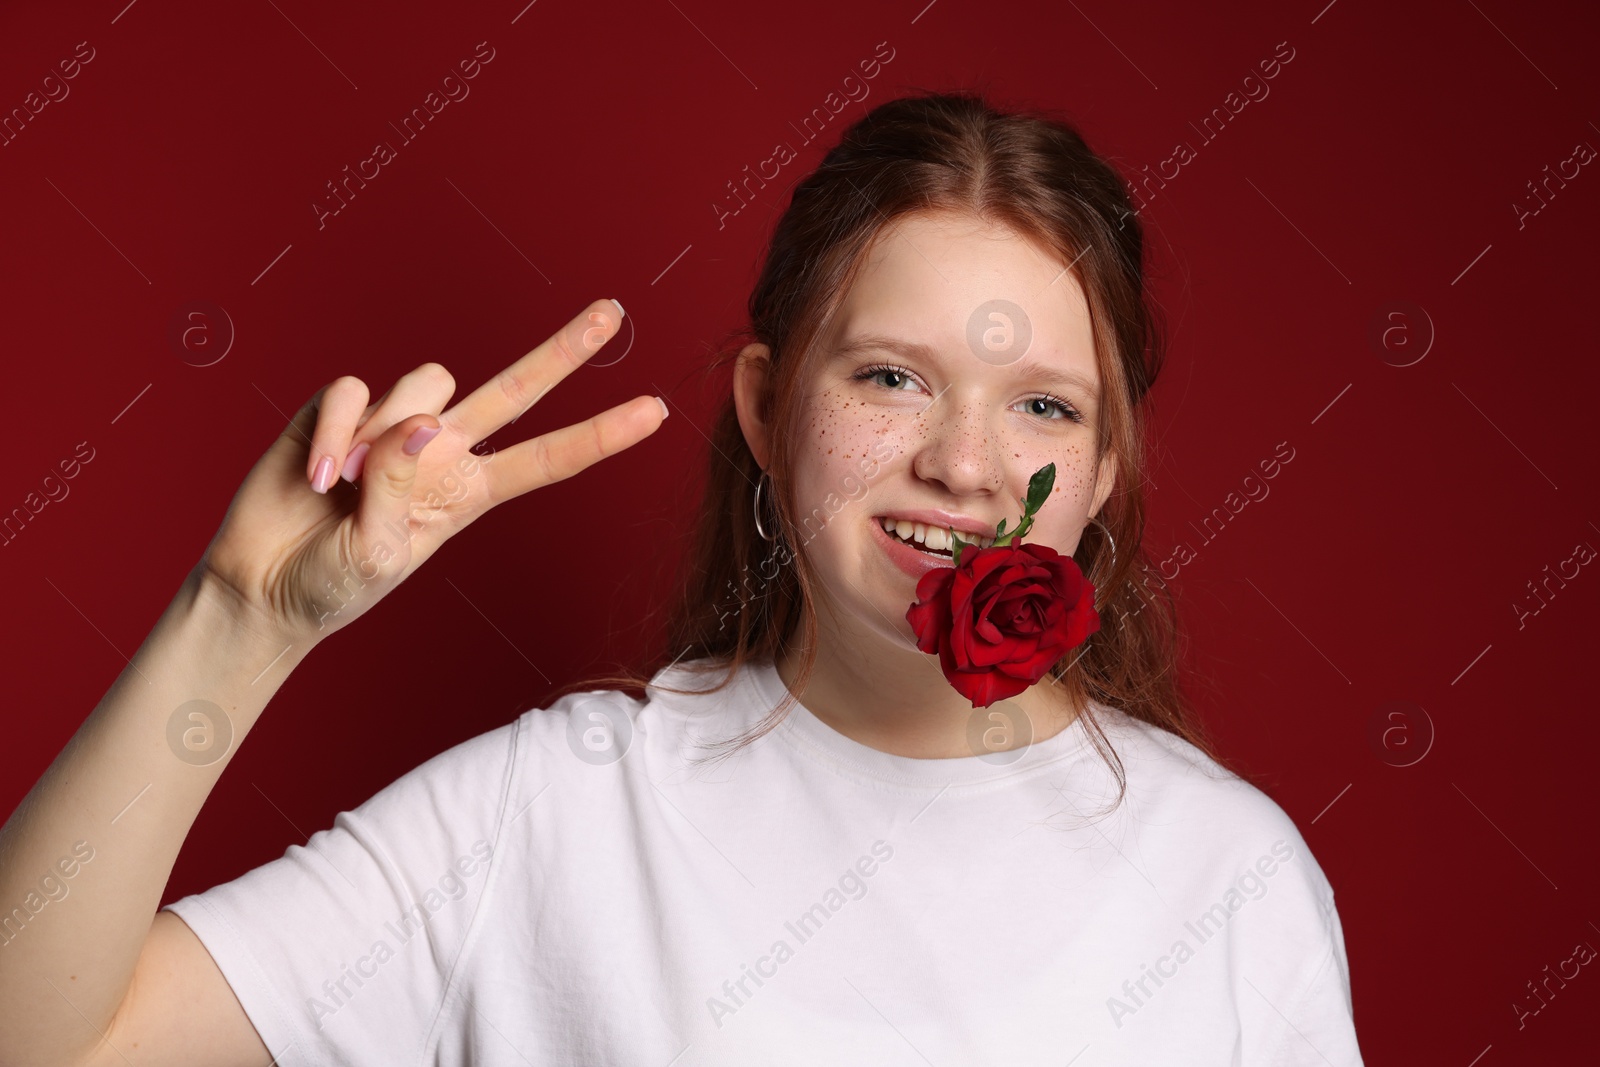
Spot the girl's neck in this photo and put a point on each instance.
(895, 699)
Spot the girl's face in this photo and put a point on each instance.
(960, 362)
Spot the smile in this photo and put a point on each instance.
(906, 556)
(934, 540)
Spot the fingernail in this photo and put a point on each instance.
(419, 437)
(322, 477)
(664, 411)
(617, 302)
(352, 462)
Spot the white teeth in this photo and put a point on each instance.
(936, 538)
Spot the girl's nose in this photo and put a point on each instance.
(958, 450)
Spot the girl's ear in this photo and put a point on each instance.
(750, 381)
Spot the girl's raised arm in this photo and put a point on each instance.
(90, 973)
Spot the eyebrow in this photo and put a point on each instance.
(1029, 368)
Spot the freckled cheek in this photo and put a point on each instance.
(1074, 471)
(838, 434)
(1065, 513)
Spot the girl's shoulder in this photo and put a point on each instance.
(1174, 787)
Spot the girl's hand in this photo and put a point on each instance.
(297, 531)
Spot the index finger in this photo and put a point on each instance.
(505, 397)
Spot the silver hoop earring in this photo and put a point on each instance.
(761, 528)
(1107, 531)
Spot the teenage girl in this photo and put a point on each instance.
(800, 845)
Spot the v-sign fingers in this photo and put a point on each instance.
(514, 390)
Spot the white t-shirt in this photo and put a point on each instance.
(567, 889)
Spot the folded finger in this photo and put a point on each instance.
(342, 404)
(425, 390)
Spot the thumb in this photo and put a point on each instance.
(388, 478)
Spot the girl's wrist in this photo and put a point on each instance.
(234, 624)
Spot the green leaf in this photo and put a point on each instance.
(1000, 530)
(1039, 486)
(956, 545)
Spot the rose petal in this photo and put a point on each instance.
(930, 617)
(986, 687)
(1003, 619)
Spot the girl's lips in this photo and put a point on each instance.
(914, 562)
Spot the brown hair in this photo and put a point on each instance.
(741, 599)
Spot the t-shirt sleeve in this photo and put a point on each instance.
(341, 951)
(1318, 1026)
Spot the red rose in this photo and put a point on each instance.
(1002, 617)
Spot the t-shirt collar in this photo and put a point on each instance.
(802, 729)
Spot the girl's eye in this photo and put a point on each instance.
(1048, 407)
(898, 378)
(888, 377)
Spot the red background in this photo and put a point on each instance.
(1383, 566)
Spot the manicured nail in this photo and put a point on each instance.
(419, 437)
(664, 411)
(322, 478)
(352, 462)
(617, 302)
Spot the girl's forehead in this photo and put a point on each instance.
(957, 286)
